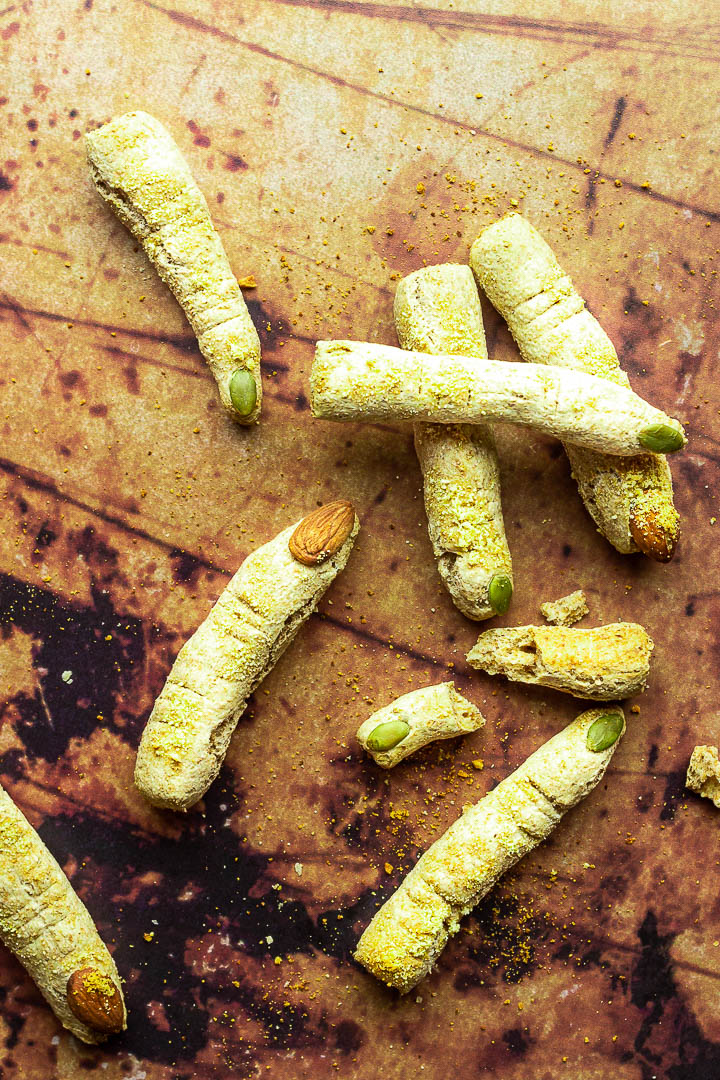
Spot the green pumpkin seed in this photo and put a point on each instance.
(243, 391)
(661, 439)
(500, 592)
(604, 732)
(387, 736)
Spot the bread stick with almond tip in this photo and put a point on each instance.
(46, 925)
(437, 310)
(415, 720)
(630, 499)
(359, 380)
(138, 169)
(605, 663)
(251, 624)
(408, 933)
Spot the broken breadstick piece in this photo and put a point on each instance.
(416, 719)
(437, 310)
(630, 499)
(252, 623)
(357, 380)
(411, 929)
(46, 925)
(567, 610)
(139, 170)
(703, 774)
(604, 664)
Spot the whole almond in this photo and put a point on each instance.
(322, 533)
(96, 1001)
(651, 537)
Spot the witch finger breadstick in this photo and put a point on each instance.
(437, 310)
(630, 500)
(137, 168)
(252, 623)
(604, 663)
(47, 926)
(411, 929)
(415, 720)
(357, 380)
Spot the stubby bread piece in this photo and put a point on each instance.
(411, 929)
(631, 499)
(567, 610)
(416, 719)
(603, 664)
(703, 774)
(358, 380)
(138, 169)
(252, 623)
(437, 310)
(46, 925)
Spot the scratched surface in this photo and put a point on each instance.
(341, 145)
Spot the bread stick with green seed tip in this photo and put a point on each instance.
(252, 623)
(406, 936)
(437, 310)
(45, 924)
(415, 720)
(358, 380)
(630, 499)
(138, 169)
(604, 663)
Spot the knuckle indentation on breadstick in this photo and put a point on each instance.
(603, 663)
(630, 499)
(437, 310)
(138, 169)
(250, 626)
(46, 925)
(358, 380)
(703, 773)
(415, 720)
(408, 933)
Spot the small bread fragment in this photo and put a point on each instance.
(416, 719)
(411, 929)
(252, 623)
(703, 775)
(138, 169)
(360, 380)
(47, 926)
(567, 610)
(630, 499)
(604, 663)
(437, 310)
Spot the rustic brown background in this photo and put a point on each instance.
(341, 145)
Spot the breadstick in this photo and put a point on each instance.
(567, 610)
(437, 310)
(416, 719)
(252, 623)
(604, 663)
(46, 925)
(630, 500)
(137, 168)
(357, 380)
(703, 774)
(409, 932)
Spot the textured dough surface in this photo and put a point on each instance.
(411, 929)
(521, 277)
(42, 919)
(567, 610)
(138, 169)
(703, 774)
(603, 663)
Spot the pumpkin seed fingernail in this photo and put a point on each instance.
(605, 731)
(388, 735)
(500, 592)
(661, 439)
(243, 391)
